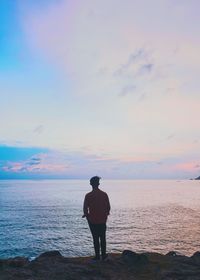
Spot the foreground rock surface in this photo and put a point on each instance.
(128, 265)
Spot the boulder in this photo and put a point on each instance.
(133, 258)
(171, 254)
(47, 259)
(196, 257)
(50, 254)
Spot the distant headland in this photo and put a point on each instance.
(197, 178)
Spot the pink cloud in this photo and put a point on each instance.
(79, 164)
(190, 166)
(40, 163)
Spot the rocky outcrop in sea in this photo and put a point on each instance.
(128, 265)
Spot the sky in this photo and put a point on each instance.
(108, 88)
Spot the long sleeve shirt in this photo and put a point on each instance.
(96, 206)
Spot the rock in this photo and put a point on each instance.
(171, 254)
(127, 266)
(18, 262)
(47, 260)
(131, 257)
(50, 254)
(15, 262)
(198, 178)
(2, 262)
(196, 257)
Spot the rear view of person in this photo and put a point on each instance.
(96, 209)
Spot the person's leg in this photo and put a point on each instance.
(102, 232)
(95, 235)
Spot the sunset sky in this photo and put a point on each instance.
(102, 87)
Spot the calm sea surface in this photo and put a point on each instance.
(159, 216)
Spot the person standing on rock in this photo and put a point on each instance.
(96, 209)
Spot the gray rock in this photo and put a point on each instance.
(129, 265)
(196, 257)
(171, 254)
(50, 254)
(47, 259)
(133, 258)
(15, 262)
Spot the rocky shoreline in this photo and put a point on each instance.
(128, 265)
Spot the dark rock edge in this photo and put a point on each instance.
(128, 265)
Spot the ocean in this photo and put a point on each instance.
(146, 215)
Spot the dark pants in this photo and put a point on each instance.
(99, 234)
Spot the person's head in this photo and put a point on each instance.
(94, 181)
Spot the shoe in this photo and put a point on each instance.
(104, 257)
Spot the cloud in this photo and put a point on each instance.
(146, 69)
(35, 160)
(39, 129)
(12, 153)
(170, 136)
(99, 55)
(133, 59)
(141, 71)
(139, 64)
(79, 164)
(186, 166)
(46, 163)
(142, 97)
(84, 39)
(127, 89)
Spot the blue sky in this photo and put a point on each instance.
(106, 88)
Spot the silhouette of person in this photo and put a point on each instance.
(96, 209)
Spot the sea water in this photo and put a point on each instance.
(43, 215)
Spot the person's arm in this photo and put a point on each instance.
(85, 208)
(108, 206)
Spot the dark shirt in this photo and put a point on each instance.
(96, 206)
